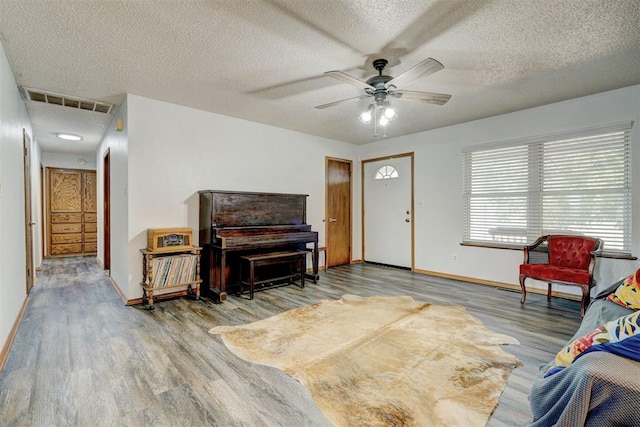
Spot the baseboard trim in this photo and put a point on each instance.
(119, 291)
(497, 284)
(100, 263)
(12, 334)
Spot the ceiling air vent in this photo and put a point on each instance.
(37, 95)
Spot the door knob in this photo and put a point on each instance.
(332, 220)
(407, 220)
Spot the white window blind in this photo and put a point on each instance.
(572, 183)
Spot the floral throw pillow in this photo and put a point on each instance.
(628, 293)
(611, 332)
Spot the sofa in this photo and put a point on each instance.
(601, 386)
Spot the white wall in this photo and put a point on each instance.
(174, 151)
(13, 118)
(115, 142)
(438, 182)
(68, 161)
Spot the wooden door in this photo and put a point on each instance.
(106, 213)
(28, 217)
(338, 211)
(72, 212)
(42, 216)
(388, 210)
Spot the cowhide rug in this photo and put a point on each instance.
(384, 361)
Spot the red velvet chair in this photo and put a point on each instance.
(567, 260)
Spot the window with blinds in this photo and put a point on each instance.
(572, 183)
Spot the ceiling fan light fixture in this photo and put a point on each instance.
(390, 112)
(382, 86)
(366, 116)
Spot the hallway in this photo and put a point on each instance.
(83, 358)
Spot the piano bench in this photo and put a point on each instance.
(249, 263)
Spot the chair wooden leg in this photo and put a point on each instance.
(524, 290)
(549, 291)
(585, 300)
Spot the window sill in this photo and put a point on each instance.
(612, 255)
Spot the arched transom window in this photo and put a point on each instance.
(386, 172)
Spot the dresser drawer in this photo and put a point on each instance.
(66, 217)
(66, 228)
(66, 249)
(57, 239)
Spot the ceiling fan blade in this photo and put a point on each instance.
(424, 68)
(348, 79)
(426, 97)
(344, 101)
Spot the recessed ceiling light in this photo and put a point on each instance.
(69, 136)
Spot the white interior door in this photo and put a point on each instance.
(387, 211)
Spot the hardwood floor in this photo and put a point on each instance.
(82, 358)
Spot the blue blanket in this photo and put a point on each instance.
(629, 348)
(601, 387)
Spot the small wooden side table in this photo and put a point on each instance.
(322, 249)
(170, 268)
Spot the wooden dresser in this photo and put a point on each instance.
(72, 215)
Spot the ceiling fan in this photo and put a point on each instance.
(381, 86)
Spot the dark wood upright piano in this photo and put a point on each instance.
(235, 223)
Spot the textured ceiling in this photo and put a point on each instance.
(263, 60)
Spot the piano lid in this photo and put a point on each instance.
(240, 209)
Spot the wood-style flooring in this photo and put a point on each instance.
(83, 358)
